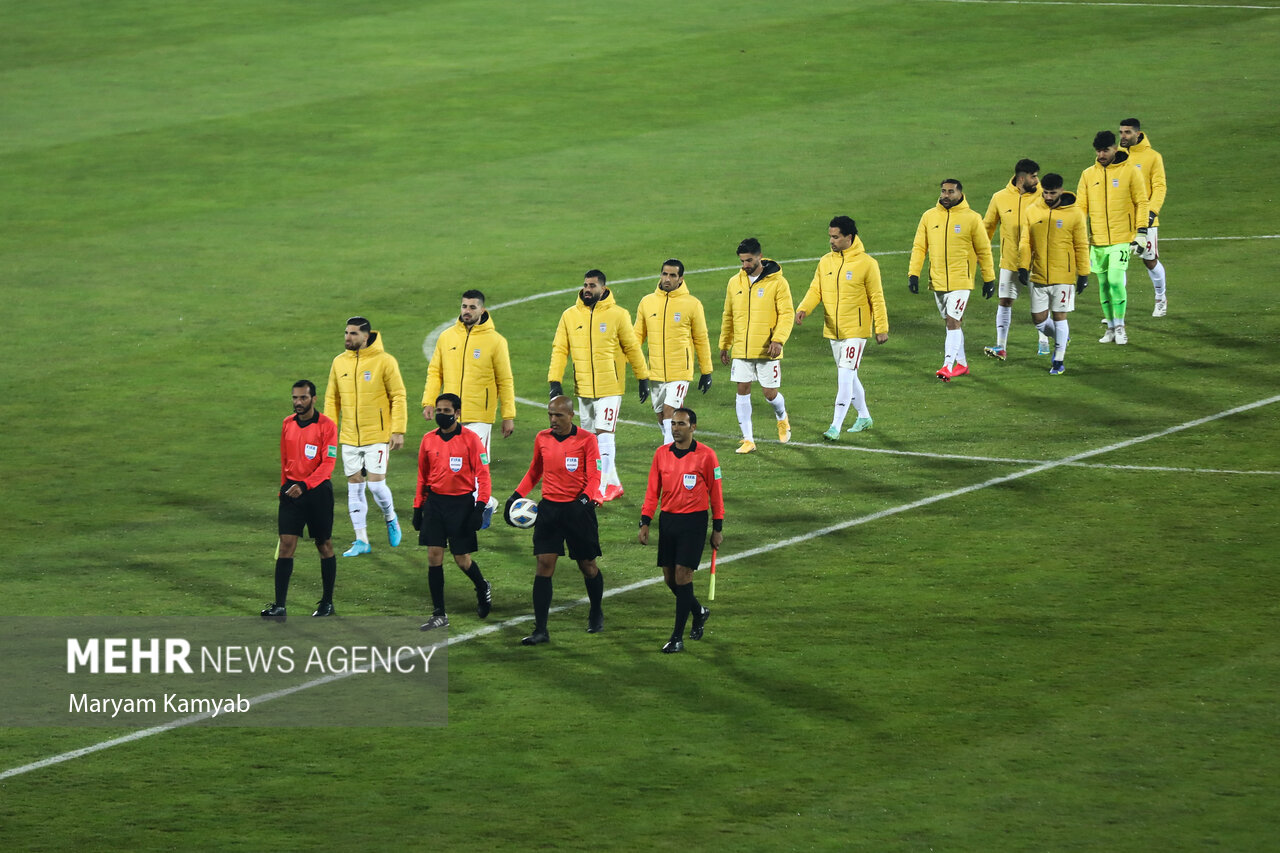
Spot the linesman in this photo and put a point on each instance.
(685, 479)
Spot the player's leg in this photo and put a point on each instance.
(844, 393)
(548, 546)
(955, 363)
(375, 464)
(485, 431)
(463, 545)
(684, 606)
(357, 505)
(1062, 301)
(769, 375)
(289, 526)
(605, 421)
(1155, 271)
(319, 509)
(583, 540)
(1117, 267)
(743, 374)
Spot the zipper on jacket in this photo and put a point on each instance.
(355, 382)
(840, 270)
(462, 377)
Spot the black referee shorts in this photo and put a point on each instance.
(312, 509)
(681, 538)
(446, 520)
(568, 523)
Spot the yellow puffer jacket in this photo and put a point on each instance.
(1005, 212)
(848, 286)
(475, 364)
(1055, 242)
(1114, 199)
(366, 395)
(757, 314)
(1150, 163)
(675, 326)
(957, 243)
(593, 337)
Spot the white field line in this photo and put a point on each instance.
(429, 343)
(730, 558)
(1091, 3)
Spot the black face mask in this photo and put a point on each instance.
(445, 421)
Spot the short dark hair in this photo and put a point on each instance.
(308, 384)
(674, 262)
(749, 246)
(452, 398)
(959, 185)
(361, 322)
(1051, 181)
(595, 274)
(847, 226)
(1026, 167)
(693, 416)
(1131, 122)
(473, 294)
(1104, 139)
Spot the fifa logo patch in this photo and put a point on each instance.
(603, 327)
(676, 317)
(455, 464)
(475, 353)
(571, 464)
(310, 451)
(957, 227)
(690, 480)
(368, 375)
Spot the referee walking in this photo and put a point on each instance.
(685, 479)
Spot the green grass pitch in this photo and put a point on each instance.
(1007, 639)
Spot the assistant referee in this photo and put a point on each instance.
(685, 479)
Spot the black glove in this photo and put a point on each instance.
(506, 510)
(583, 500)
(913, 283)
(1024, 276)
(417, 517)
(1151, 218)
(704, 383)
(644, 390)
(988, 289)
(1082, 282)
(477, 516)
(557, 390)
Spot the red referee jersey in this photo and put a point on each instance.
(684, 483)
(568, 466)
(308, 450)
(452, 465)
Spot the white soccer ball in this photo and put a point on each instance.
(524, 512)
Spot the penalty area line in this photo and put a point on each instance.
(728, 558)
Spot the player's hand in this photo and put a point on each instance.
(988, 289)
(1151, 218)
(717, 539)
(724, 356)
(396, 442)
(292, 489)
(1139, 244)
(1082, 282)
(428, 413)
(913, 283)
(477, 516)
(508, 427)
(417, 518)
(704, 383)
(775, 349)
(557, 390)
(882, 337)
(506, 510)
(644, 390)
(643, 537)
(800, 315)
(1024, 276)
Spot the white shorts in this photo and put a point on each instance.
(1053, 297)
(668, 394)
(952, 303)
(1009, 285)
(1153, 245)
(599, 414)
(848, 352)
(371, 457)
(767, 372)
(482, 430)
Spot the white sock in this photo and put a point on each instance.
(742, 404)
(779, 406)
(382, 496)
(608, 450)
(358, 509)
(844, 396)
(954, 347)
(667, 438)
(1045, 327)
(859, 397)
(1004, 316)
(1157, 280)
(1061, 332)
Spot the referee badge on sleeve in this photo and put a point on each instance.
(690, 480)
(717, 472)
(333, 451)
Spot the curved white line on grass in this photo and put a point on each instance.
(1090, 3)
(728, 558)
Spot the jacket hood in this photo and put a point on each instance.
(1064, 201)
(768, 267)
(605, 301)
(682, 290)
(374, 347)
(962, 204)
(854, 250)
(484, 324)
(1142, 144)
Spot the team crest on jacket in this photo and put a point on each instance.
(1059, 223)
(848, 275)
(310, 451)
(676, 317)
(603, 327)
(571, 464)
(455, 464)
(1115, 182)
(690, 480)
(957, 227)
(475, 353)
(368, 375)
(760, 293)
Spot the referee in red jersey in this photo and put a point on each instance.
(685, 478)
(308, 449)
(567, 461)
(448, 508)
